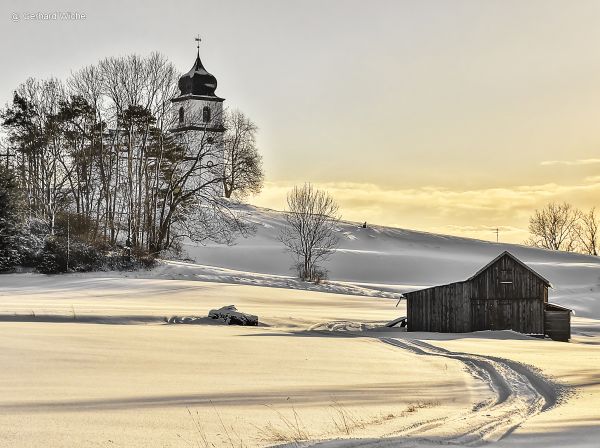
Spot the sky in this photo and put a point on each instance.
(447, 116)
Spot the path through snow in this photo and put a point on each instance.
(519, 394)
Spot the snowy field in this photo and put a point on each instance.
(88, 360)
(390, 259)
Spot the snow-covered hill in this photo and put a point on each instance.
(394, 259)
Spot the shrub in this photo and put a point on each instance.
(316, 273)
(75, 256)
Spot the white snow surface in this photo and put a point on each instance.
(379, 259)
(89, 360)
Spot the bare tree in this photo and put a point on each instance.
(312, 218)
(243, 164)
(589, 232)
(555, 227)
(100, 147)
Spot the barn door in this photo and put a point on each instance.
(489, 314)
(491, 311)
(479, 315)
(504, 315)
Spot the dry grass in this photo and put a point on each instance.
(290, 429)
(414, 407)
(344, 420)
(203, 441)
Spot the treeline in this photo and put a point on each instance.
(564, 227)
(95, 166)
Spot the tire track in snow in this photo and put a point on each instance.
(520, 393)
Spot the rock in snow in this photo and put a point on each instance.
(231, 316)
(228, 315)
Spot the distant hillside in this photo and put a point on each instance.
(397, 259)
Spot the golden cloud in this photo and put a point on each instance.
(571, 162)
(469, 212)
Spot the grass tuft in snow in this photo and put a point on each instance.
(289, 430)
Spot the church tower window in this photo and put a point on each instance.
(206, 114)
(181, 115)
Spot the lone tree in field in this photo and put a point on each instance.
(555, 227)
(243, 172)
(312, 218)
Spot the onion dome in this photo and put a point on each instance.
(198, 81)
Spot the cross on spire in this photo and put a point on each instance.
(198, 39)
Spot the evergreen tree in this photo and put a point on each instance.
(10, 220)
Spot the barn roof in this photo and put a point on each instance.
(404, 294)
(519, 262)
(555, 307)
(516, 260)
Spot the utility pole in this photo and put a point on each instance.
(497, 234)
(68, 240)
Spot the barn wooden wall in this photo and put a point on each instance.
(482, 302)
(444, 309)
(525, 284)
(522, 315)
(557, 324)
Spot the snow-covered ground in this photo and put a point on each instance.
(389, 259)
(88, 360)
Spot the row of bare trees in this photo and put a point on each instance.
(560, 226)
(98, 149)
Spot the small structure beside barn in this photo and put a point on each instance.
(505, 294)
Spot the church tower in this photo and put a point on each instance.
(198, 117)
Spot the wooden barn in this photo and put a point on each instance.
(506, 294)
